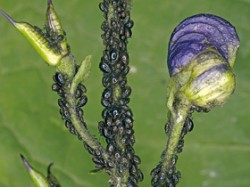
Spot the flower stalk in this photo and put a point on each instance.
(201, 56)
(117, 124)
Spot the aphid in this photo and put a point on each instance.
(115, 129)
(101, 127)
(109, 122)
(156, 170)
(124, 161)
(59, 38)
(82, 101)
(111, 164)
(162, 176)
(131, 183)
(130, 24)
(176, 177)
(166, 127)
(114, 79)
(66, 114)
(106, 80)
(190, 124)
(106, 103)
(104, 26)
(126, 91)
(105, 113)
(121, 169)
(58, 78)
(123, 82)
(121, 129)
(110, 147)
(128, 125)
(132, 140)
(56, 87)
(98, 153)
(140, 175)
(98, 162)
(67, 124)
(118, 122)
(107, 93)
(103, 8)
(126, 70)
(105, 67)
(128, 120)
(72, 130)
(114, 55)
(107, 133)
(115, 113)
(122, 45)
(129, 113)
(133, 169)
(79, 112)
(174, 159)
(128, 32)
(61, 102)
(136, 159)
(123, 37)
(108, 33)
(89, 149)
(130, 132)
(81, 88)
(124, 140)
(113, 23)
(117, 156)
(180, 146)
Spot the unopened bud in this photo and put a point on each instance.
(211, 81)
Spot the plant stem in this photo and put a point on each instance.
(117, 124)
(177, 122)
(165, 175)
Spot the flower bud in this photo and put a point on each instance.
(37, 40)
(38, 178)
(211, 81)
(53, 22)
(198, 33)
(201, 54)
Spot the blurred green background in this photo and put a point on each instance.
(216, 152)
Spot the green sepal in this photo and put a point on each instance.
(37, 40)
(206, 82)
(38, 178)
(53, 22)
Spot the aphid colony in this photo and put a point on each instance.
(59, 86)
(171, 177)
(117, 124)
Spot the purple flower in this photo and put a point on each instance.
(198, 33)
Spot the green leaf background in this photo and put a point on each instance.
(216, 152)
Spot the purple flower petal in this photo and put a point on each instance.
(197, 33)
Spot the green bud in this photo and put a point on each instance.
(211, 81)
(53, 22)
(37, 40)
(38, 178)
